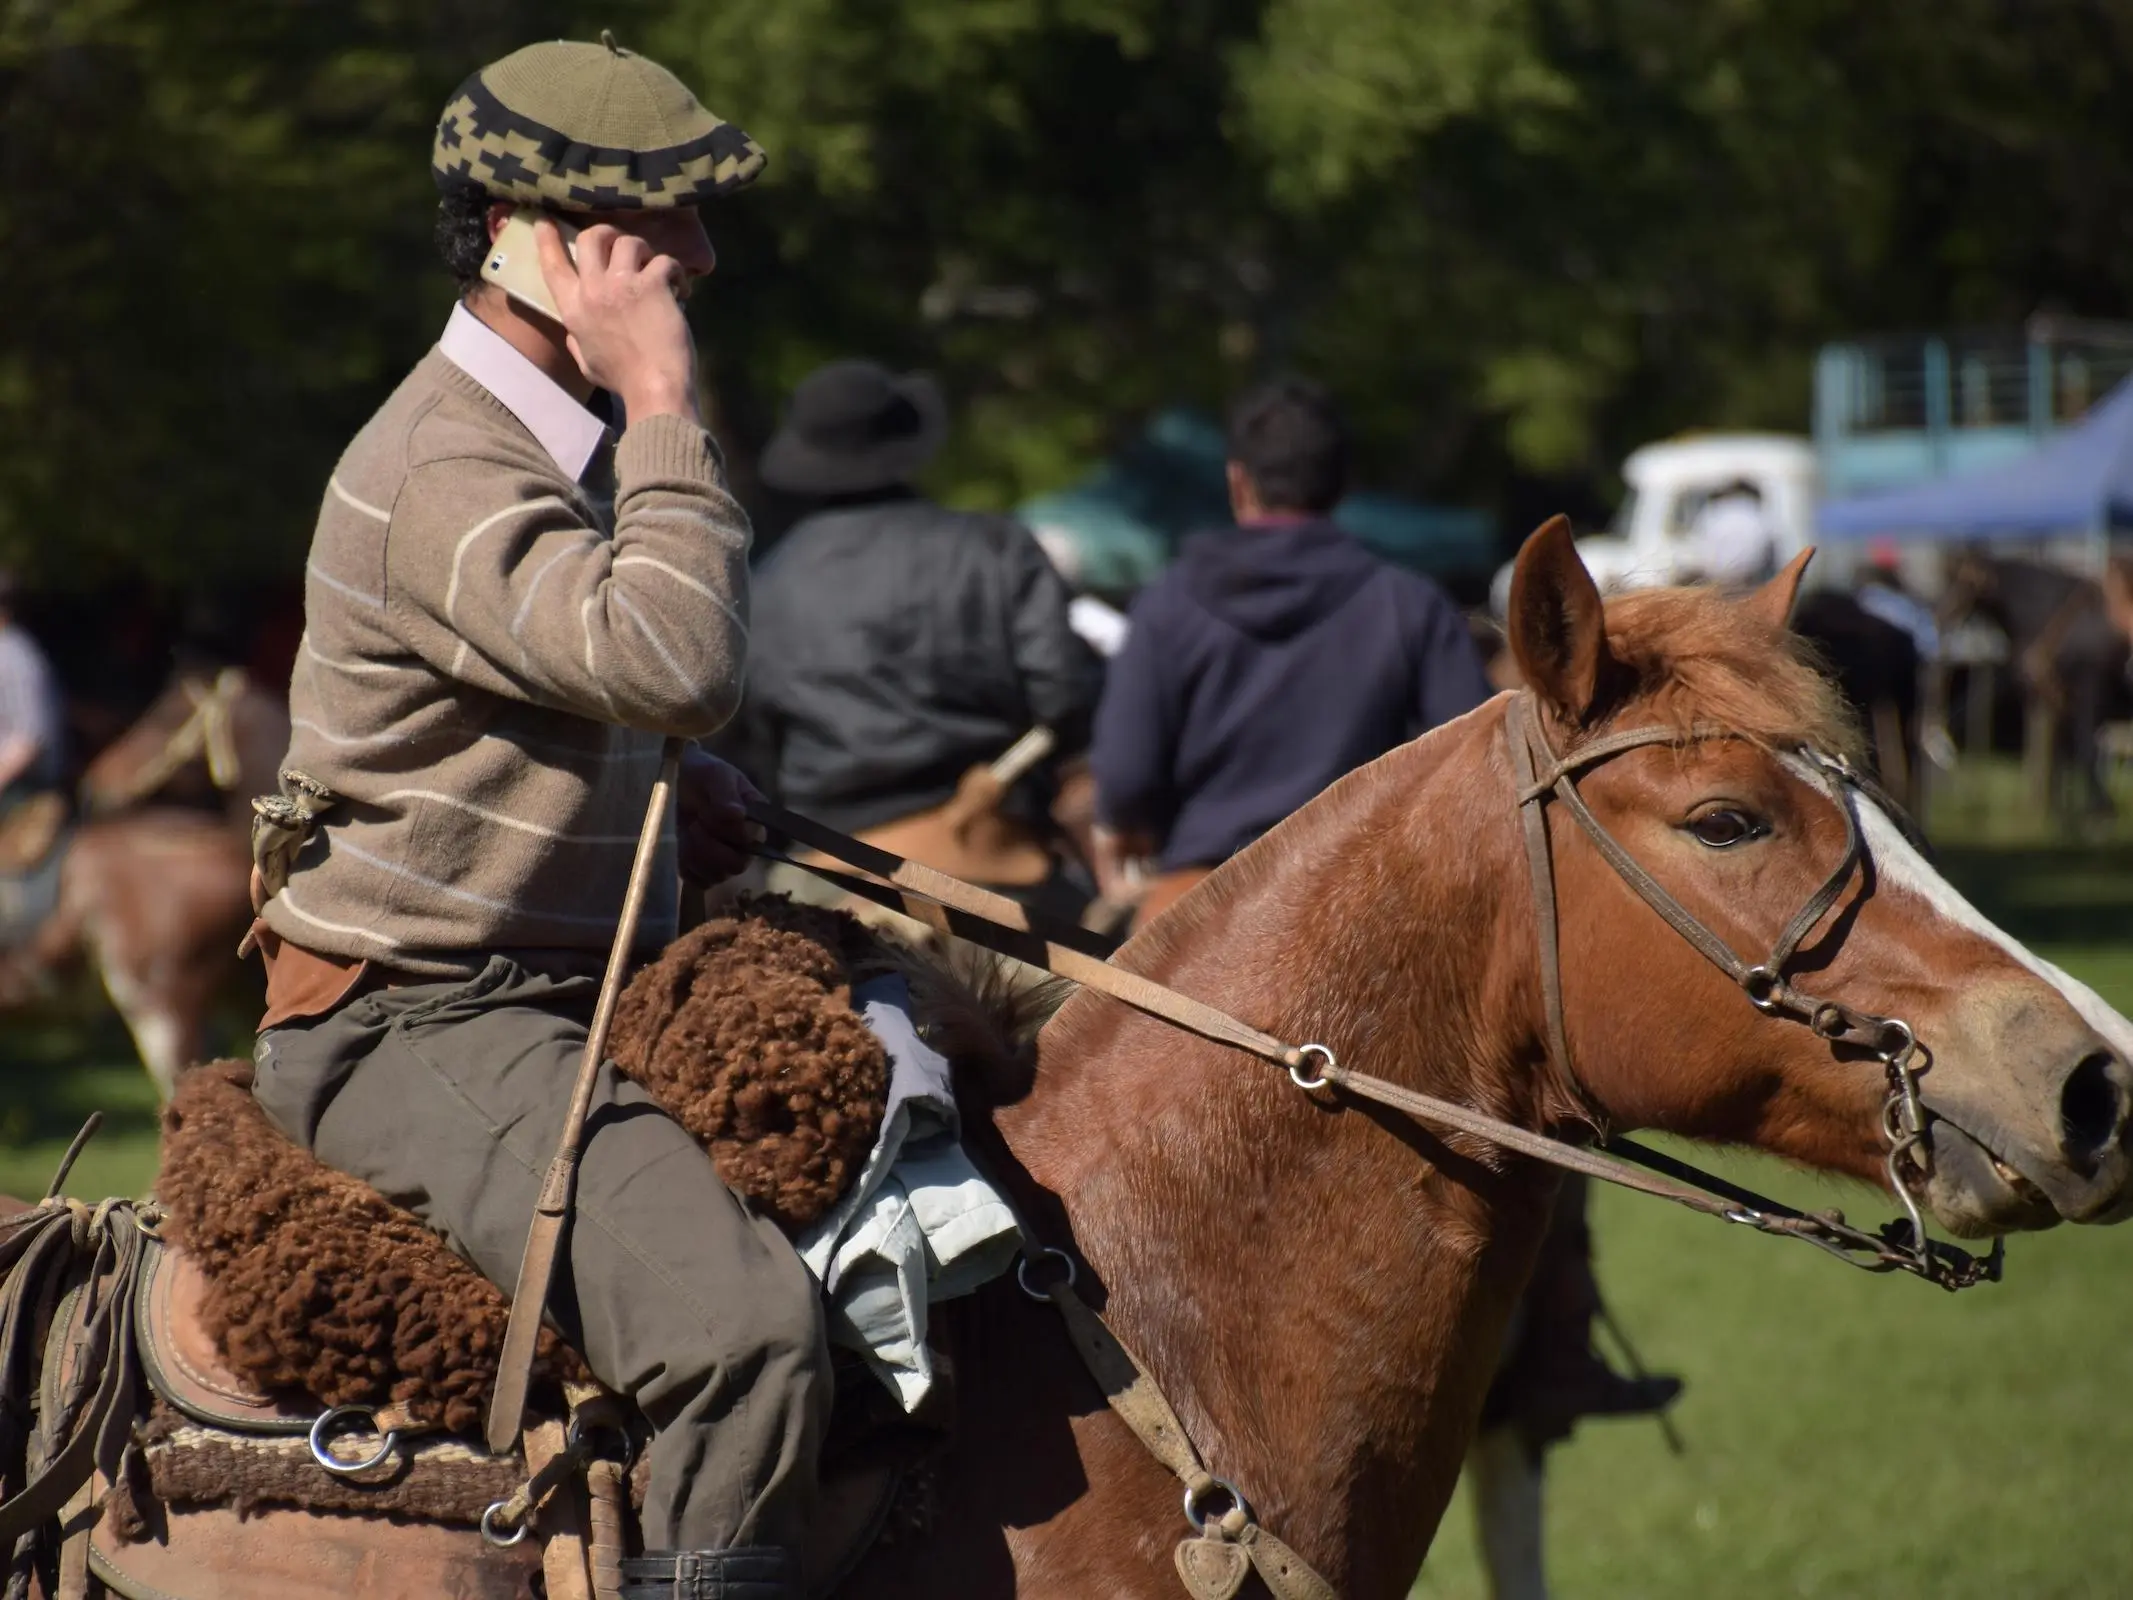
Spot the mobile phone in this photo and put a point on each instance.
(514, 260)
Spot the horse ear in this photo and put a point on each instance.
(1556, 626)
(1774, 601)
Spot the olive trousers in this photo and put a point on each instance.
(448, 1098)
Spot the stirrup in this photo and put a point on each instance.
(745, 1572)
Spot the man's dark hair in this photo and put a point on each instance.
(1289, 438)
(463, 232)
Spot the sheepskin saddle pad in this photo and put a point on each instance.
(312, 1284)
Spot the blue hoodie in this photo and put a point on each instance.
(1269, 661)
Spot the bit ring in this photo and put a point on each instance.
(1195, 1493)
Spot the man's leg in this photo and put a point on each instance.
(449, 1099)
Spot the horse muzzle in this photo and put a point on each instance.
(2002, 1163)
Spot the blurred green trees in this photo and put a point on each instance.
(1519, 236)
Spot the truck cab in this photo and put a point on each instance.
(1669, 483)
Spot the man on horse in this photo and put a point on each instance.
(902, 647)
(527, 570)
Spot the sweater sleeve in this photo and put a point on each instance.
(1060, 673)
(1136, 734)
(502, 583)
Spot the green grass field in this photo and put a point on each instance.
(1847, 1435)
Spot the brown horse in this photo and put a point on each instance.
(1321, 1286)
(155, 895)
(1321, 1289)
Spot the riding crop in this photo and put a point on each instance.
(536, 1269)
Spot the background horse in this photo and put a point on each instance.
(155, 896)
(1875, 663)
(156, 901)
(2068, 658)
(213, 739)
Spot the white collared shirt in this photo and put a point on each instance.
(569, 433)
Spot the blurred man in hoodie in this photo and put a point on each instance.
(1274, 657)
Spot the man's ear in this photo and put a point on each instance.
(1556, 627)
(500, 212)
(1774, 601)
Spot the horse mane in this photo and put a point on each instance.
(1692, 660)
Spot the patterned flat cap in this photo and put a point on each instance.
(588, 127)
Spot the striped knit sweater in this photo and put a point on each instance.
(492, 653)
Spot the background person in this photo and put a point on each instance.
(899, 645)
(1731, 542)
(31, 748)
(1272, 659)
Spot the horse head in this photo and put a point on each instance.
(1742, 810)
(208, 733)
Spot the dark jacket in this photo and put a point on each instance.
(1264, 665)
(893, 645)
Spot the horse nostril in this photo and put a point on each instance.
(2091, 1109)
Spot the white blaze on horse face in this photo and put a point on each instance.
(1898, 864)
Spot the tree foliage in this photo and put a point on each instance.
(1519, 236)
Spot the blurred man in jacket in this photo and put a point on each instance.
(901, 648)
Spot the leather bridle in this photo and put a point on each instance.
(1543, 775)
(208, 732)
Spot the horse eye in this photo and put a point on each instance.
(1723, 829)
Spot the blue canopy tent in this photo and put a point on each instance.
(2080, 481)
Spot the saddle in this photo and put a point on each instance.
(172, 1477)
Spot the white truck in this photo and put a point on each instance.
(1668, 483)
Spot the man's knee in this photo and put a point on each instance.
(775, 1309)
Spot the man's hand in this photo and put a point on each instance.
(714, 828)
(620, 306)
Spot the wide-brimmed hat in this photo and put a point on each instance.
(588, 127)
(855, 426)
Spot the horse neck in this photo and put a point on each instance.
(1321, 1291)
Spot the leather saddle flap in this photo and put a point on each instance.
(182, 1364)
